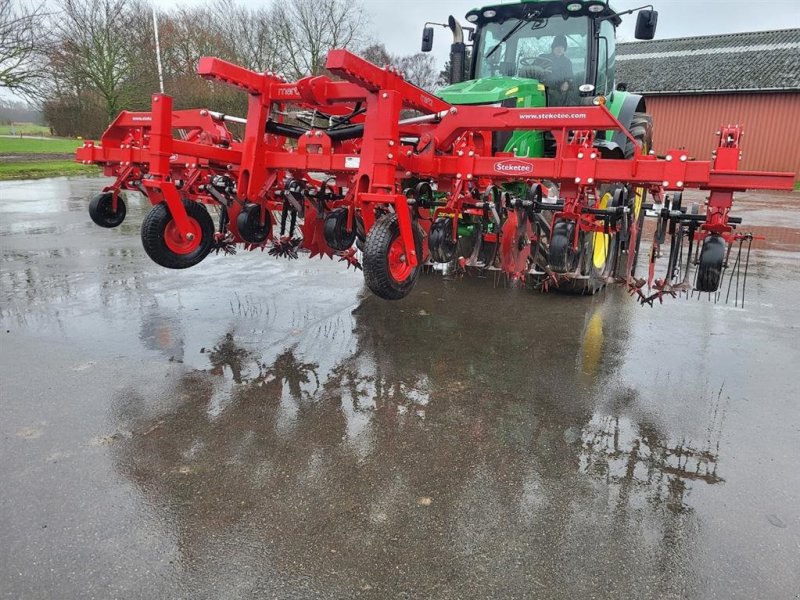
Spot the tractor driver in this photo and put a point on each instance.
(560, 72)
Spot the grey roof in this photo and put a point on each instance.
(744, 62)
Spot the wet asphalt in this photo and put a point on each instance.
(254, 427)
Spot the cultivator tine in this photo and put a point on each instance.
(737, 268)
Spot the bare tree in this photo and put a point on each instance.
(95, 50)
(377, 54)
(419, 69)
(308, 29)
(22, 38)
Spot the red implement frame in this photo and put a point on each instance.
(450, 146)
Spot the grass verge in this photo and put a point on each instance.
(24, 129)
(49, 168)
(24, 145)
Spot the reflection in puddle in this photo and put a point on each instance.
(330, 448)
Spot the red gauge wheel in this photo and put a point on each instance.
(386, 268)
(163, 242)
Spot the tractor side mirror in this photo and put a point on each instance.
(646, 24)
(427, 39)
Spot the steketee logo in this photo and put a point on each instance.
(513, 167)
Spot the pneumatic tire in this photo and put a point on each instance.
(249, 224)
(385, 271)
(712, 258)
(102, 213)
(163, 244)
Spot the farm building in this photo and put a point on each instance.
(694, 85)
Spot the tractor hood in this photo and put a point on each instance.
(490, 90)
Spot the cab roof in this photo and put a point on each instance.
(539, 9)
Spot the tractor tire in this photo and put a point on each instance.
(335, 230)
(249, 224)
(712, 258)
(163, 243)
(101, 212)
(385, 271)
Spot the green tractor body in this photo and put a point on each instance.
(511, 65)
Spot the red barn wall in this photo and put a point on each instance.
(770, 121)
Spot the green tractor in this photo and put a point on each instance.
(538, 53)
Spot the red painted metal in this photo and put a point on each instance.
(366, 168)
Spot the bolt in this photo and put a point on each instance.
(308, 134)
(409, 153)
(318, 134)
(155, 98)
(472, 153)
(390, 156)
(669, 157)
(453, 110)
(190, 236)
(665, 183)
(590, 180)
(384, 95)
(684, 158)
(461, 153)
(391, 143)
(580, 154)
(203, 112)
(577, 180)
(593, 155)
(679, 184)
(469, 175)
(458, 175)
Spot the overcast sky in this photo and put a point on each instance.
(398, 23)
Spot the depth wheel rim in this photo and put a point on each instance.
(179, 244)
(399, 268)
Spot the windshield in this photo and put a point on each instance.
(534, 49)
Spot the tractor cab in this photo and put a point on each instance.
(569, 48)
(536, 53)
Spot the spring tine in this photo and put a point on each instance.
(738, 270)
(730, 279)
(283, 217)
(746, 266)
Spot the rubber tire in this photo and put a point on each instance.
(712, 257)
(376, 259)
(440, 243)
(335, 230)
(249, 224)
(100, 210)
(156, 221)
(562, 258)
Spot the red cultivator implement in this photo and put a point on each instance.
(373, 163)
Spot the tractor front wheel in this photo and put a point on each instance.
(387, 271)
(101, 210)
(167, 247)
